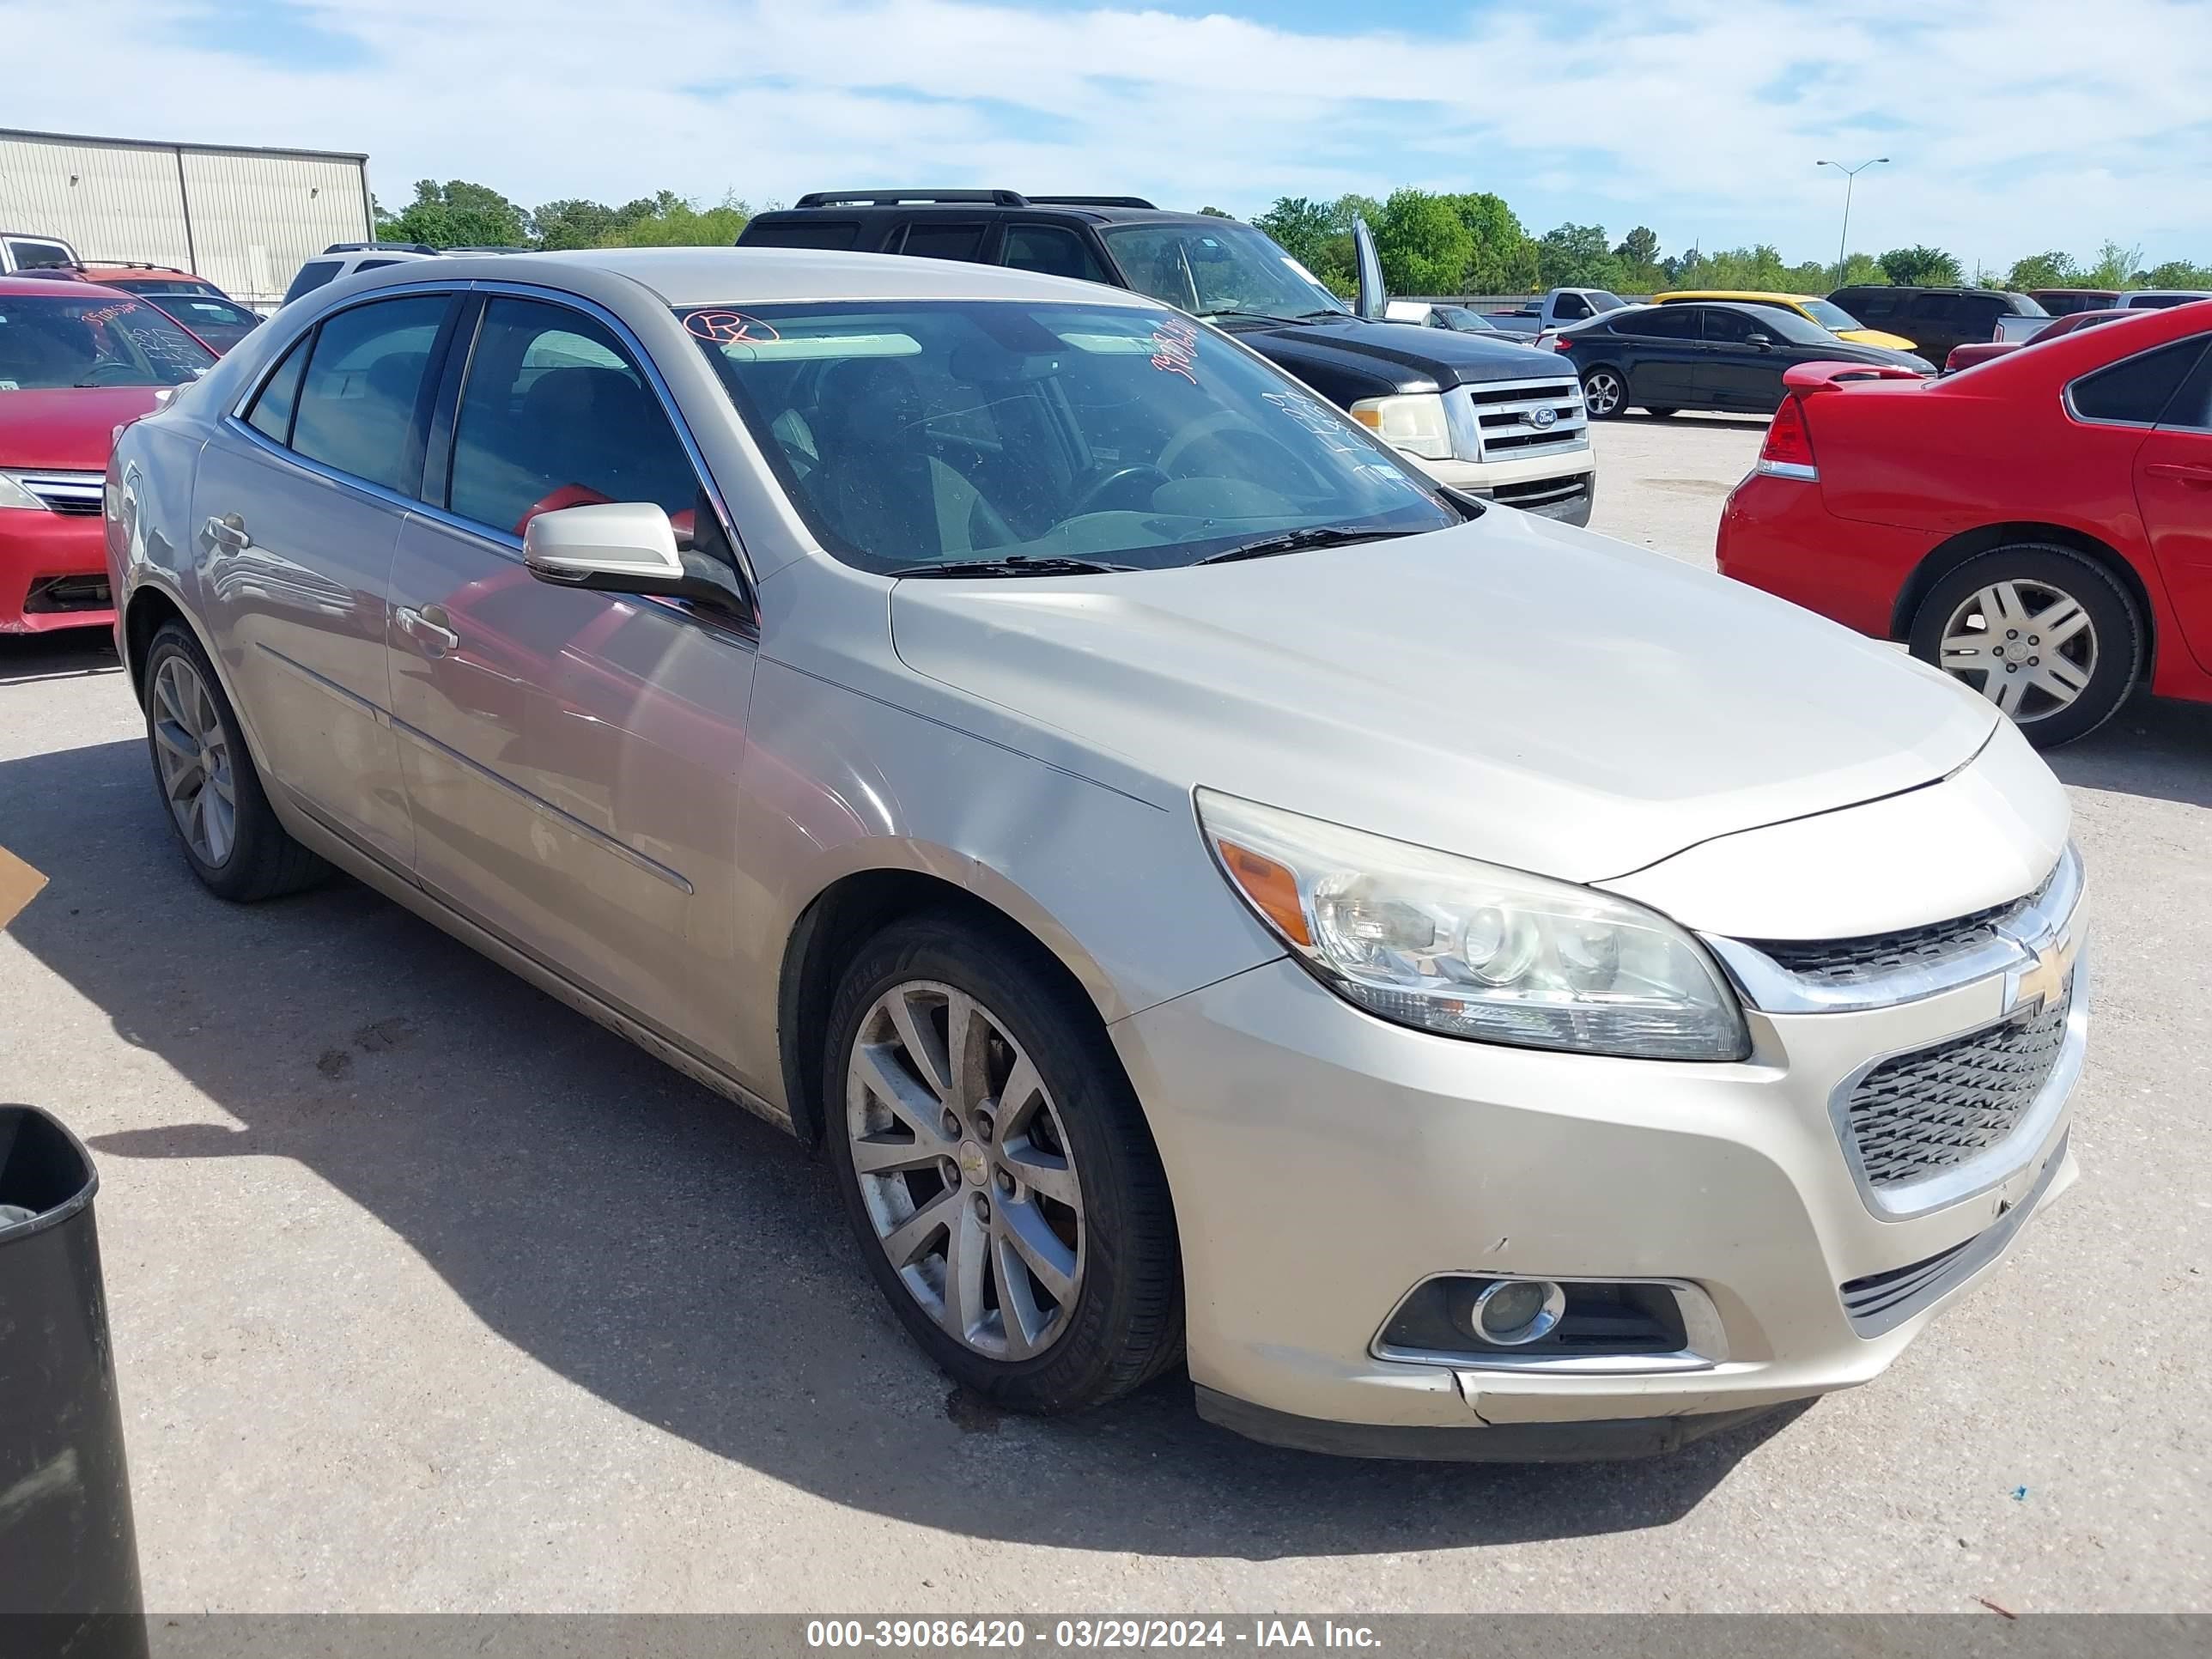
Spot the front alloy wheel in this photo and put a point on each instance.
(964, 1169)
(1604, 392)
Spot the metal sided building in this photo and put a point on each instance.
(245, 219)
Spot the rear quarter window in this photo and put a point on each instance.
(830, 234)
(2137, 391)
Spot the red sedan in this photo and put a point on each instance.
(77, 363)
(2038, 525)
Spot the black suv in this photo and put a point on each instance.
(1488, 416)
(1935, 319)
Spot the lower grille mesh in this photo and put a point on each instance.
(1922, 1113)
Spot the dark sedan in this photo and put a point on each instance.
(1721, 356)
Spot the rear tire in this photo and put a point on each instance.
(1604, 393)
(1021, 1153)
(2050, 636)
(210, 790)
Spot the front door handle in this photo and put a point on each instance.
(2188, 472)
(228, 530)
(427, 628)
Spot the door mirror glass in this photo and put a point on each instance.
(615, 547)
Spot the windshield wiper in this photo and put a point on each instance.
(1248, 316)
(1297, 541)
(1014, 565)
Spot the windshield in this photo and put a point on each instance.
(1834, 319)
(911, 432)
(1210, 269)
(1787, 324)
(1600, 300)
(94, 340)
(222, 323)
(1460, 318)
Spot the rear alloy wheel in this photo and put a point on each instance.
(998, 1170)
(2048, 637)
(1604, 392)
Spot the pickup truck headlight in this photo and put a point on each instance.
(1472, 950)
(12, 493)
(1414, 422)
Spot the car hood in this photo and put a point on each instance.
(1876, 336)
(1405, 353)
(69, 428)
(1512, 689)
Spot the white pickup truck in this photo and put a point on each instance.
(1554, 310)
(27, 251)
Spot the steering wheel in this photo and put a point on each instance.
(1095, 494)
(106, 364)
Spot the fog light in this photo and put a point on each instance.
(1513, 1312)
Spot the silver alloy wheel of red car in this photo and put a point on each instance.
(2029, 647)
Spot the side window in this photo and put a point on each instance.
(375, 264)
(1733, 327)
(1674, 322)
(928, 239)
(1053, 250)
(312, 275)
(554, 415)
(39, 256)
(1869, 303)
(1931, 306)
(2192, 409)
(271, 414)
(1977, 318)
(2136, 390)
(1570, 307)
(363, 385)
(831, 234)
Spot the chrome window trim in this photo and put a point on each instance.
(1993, 1165)
(1706, 1345)
(1769, 987)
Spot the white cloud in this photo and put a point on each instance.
(2012, 128)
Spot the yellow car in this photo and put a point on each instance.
(1837, 321)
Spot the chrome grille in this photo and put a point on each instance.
(1876, 956)
(77, 493)
(1919, 1114)
(1506, 416)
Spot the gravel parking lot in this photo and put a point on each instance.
(427, 1294)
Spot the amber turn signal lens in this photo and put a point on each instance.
(1272, 888)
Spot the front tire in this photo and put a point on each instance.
(216, 805)
(1662, 413)
(997, 1169)
(1604, 393)
(2049, 637)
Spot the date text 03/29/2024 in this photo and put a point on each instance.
(1079, 1634)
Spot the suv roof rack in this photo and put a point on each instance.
(133, 265)
(894, 197)
(1097, 201)
(380, 248)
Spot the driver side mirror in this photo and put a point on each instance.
(614, 547)
(1764, 341)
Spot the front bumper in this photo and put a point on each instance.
(53, 571)
(1562, 486)
(1324, 1162)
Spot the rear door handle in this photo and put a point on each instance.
(2187, 472)
(427, 628)
(228, 530)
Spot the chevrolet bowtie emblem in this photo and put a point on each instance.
(2040, 982)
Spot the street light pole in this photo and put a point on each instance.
(1851, 177)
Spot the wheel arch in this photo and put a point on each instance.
(1947, 557)
(859, 903)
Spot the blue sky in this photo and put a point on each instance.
(2010, 127)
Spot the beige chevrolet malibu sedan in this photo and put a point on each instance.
(1469, 987)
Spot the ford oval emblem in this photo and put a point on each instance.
(1542, 419)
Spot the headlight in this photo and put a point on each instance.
(13, 494)
(1414, 422)
(1472, 950)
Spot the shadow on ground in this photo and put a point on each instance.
(2159, 750)
(70, 654)
(654, 1244)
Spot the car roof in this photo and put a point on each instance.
(760, 275)
(27, 286)
(1748, 295)
(1091, 209)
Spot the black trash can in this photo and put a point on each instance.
(69, 1555)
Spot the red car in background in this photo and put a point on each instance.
(194, 304)
(77, 363)
(1980, 351)
(2039, 526)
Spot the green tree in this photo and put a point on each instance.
(2177, 273)
(2053, 269)
(1216, 213)
(1424, 245)
(1299, 227)
(575, 223)
(1504, 260)
(1575, 256)
(2115, 268)
(456, 214)
(1863, 271)
(672, 220)
(1930, 267)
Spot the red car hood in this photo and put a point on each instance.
(70, 429)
